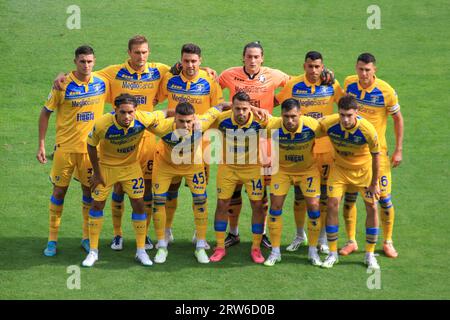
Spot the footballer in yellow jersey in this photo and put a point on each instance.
(316, 99)
(196, 87)
(77, 105)
(377, 101)
(117, 136)
(356, 166)
(295, 136)
(240, 165)
(180, 154)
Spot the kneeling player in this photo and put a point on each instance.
(295, 136)
(356, 166)
(119, 135)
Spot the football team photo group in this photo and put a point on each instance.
(326, 155)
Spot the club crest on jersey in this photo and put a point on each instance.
(96, 87)
(374, 99)
(262, 78)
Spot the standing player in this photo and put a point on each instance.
(316, 100)
(356, 166)
(118, 135)
(77, 105)
(295, 135)
(259, 83)
(240, 166)
(196, 87)
(377, 100)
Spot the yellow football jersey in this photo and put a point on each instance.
(295, 149)
(166, 129)
(316, 101)
(202, 92)
(353, 147)
(240, 144)
(143, 85)
(77, 105)
(376, 103)
(118, 145)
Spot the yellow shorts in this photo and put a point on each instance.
(64, 165)
(146, 154)
(308, 181)
(341, 179)
(130, 177)
(165, 173)
(228, 178)
(324, 162)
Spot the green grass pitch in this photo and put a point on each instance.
(413, 54)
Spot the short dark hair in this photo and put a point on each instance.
(185, 109)
(290, 104)
(313, 55)
(254, 44)
(83, 50)
(366, 58)
(125, 98)
(137, 39)
(191, 48)
(348, 102)
(241, 96)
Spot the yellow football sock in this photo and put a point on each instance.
(257, 230)
(387, 215)
(117, 209)
(314, 227)
(275, 223)
(200, 208)
(171, 207)
(323, 205)
(140, 228)
(55, 212)
(350, 213)
(159, 216)
(86, 206)
(148, 200)
(95, 227)
(220, 228)
(371, 239)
